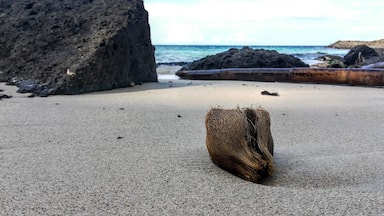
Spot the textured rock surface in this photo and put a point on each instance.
(71, 47)
(246, 58)
(361, 55)
(329, 61)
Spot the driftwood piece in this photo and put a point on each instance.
(240, 141)
(350, 76)
(269, 93)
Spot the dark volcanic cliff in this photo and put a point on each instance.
(72, 47)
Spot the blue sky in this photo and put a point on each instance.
(264, 22)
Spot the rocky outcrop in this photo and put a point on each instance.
(349, 44)
(245, 58)
(361, 55)
(329, 61)
(71, 47)
(357, 57)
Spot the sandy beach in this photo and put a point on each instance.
(141, 151)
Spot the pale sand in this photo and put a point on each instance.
(141, 151)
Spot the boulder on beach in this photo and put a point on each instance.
(71, 47)
(361, 55)
(246, 58)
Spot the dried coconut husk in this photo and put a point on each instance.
(240, 141)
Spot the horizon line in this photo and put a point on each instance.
(244, 45)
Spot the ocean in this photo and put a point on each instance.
(168, 54)
(169, 58)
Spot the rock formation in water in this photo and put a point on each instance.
(71, 47)
(246, 58)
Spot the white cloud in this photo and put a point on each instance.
(251, 22)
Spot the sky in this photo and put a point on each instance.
(264, 22)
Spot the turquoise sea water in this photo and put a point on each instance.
(189, 53)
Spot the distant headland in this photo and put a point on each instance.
(349, 44)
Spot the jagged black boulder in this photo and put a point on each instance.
(360, 55)
(246, 58)
(71, 47)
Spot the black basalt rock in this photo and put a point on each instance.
(246, 58)
(360, 55)
(73, 47)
